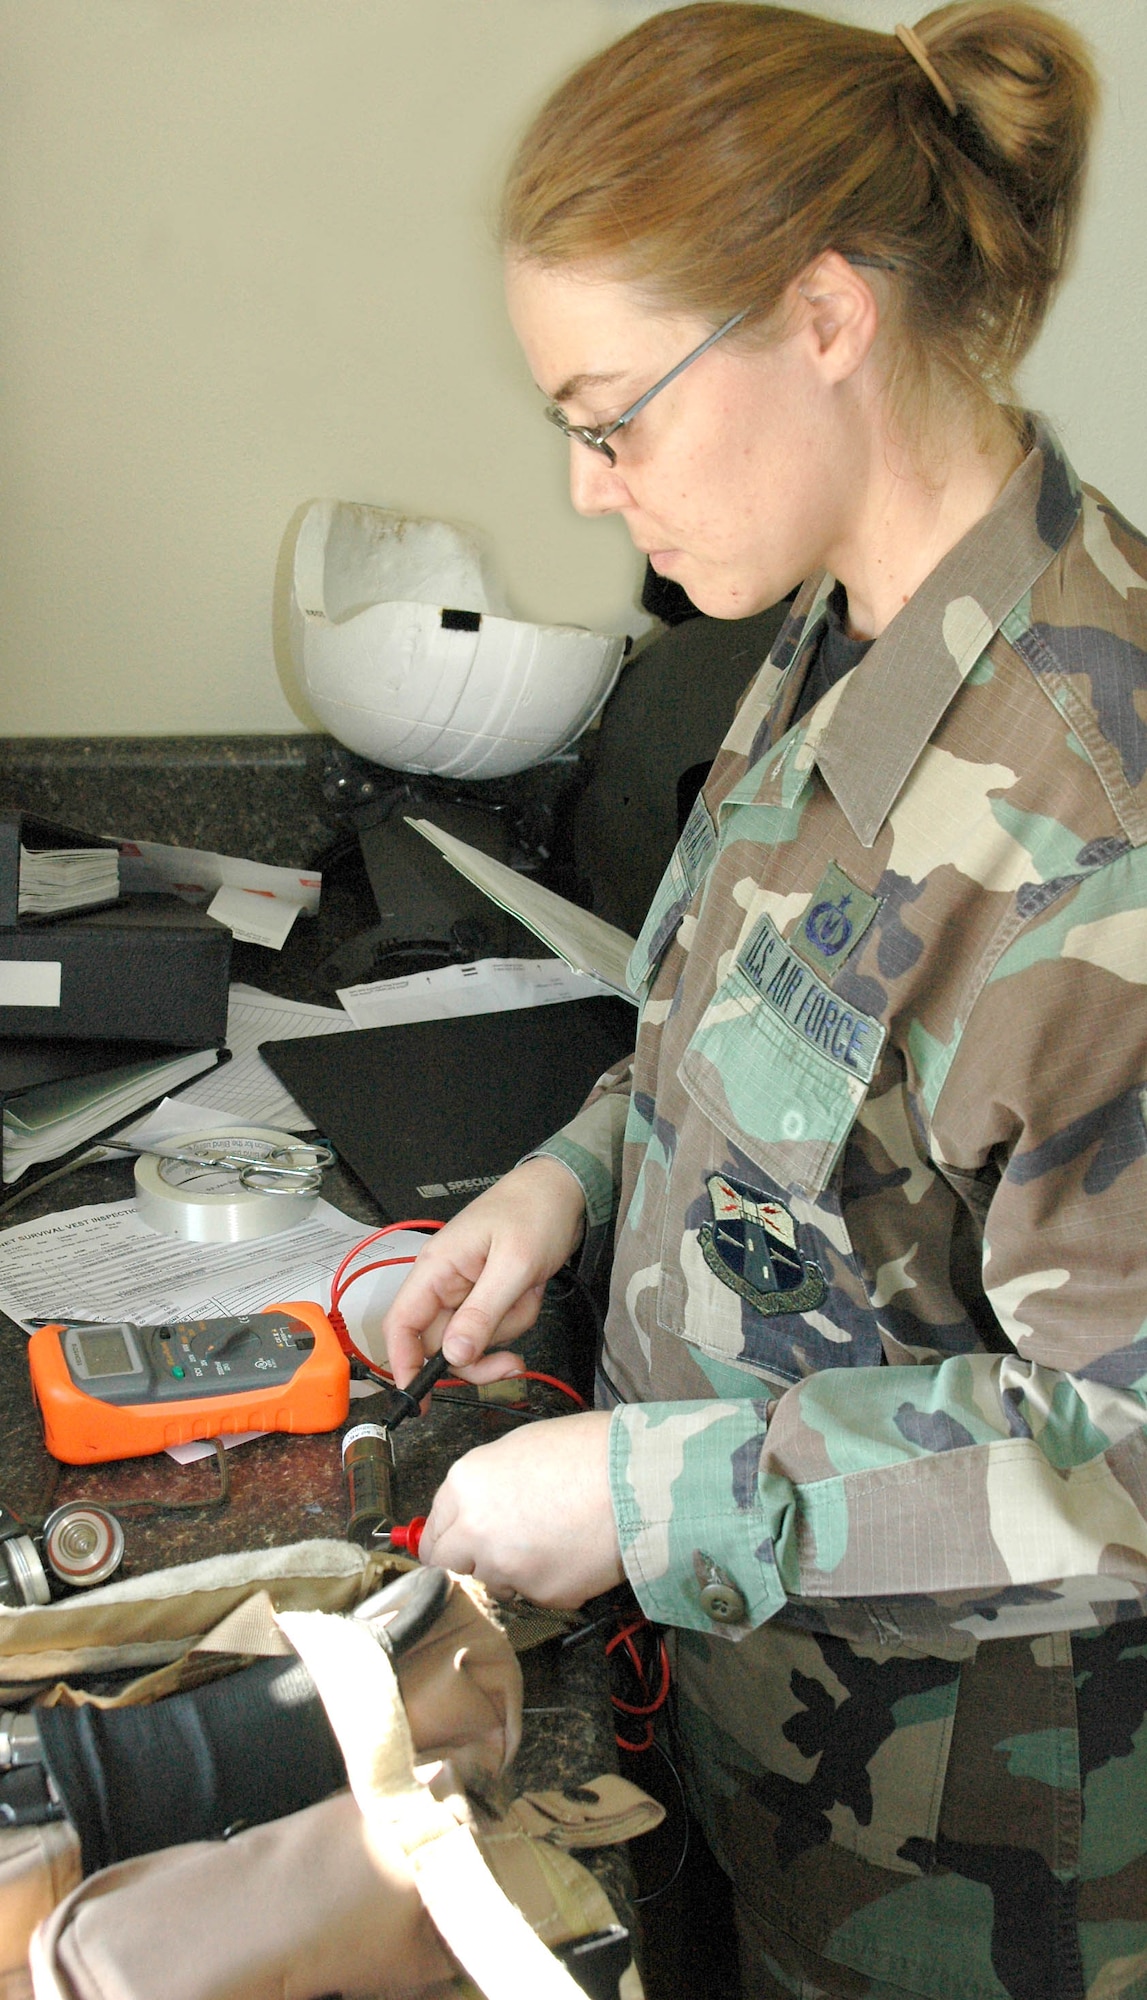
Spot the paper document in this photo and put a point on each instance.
(486, 987)
(196, 873)
(66, 878)
(245, 1089)
(171, 1122)
(102, 1263)
(256, 901)
(254, 916)
(587, 943)
(45, 1123)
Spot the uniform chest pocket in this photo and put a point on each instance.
(780, 1064)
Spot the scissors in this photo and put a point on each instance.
(280, 1171)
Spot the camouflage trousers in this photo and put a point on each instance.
(897, 1825)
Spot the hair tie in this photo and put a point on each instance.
(919, 54)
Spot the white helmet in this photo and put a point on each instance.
(409, 657)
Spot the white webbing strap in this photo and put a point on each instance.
(485, 1931)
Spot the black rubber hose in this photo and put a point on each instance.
(236, 1752)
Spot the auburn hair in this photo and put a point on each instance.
(716, 150)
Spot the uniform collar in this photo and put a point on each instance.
(867, 733)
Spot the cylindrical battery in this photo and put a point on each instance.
(22, 1578)
(83, 1544)
(368, 1461)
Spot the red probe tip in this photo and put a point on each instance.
(408, 1537)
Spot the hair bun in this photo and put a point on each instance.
(1025, 90)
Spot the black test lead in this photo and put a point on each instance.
(368, 1459)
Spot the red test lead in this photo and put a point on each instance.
(408, 1537)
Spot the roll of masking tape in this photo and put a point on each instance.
(205, 1203)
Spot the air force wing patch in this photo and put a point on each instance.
(751, 1245)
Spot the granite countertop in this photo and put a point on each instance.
(283, 1489)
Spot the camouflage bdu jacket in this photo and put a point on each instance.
(880, 1281)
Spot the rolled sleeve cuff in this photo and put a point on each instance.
(689, 1506)
(596, 1183)
(594, 1179)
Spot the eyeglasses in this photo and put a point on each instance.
(596, 439)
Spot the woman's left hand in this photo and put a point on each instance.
(532, 1512)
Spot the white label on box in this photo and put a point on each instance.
(29, 982)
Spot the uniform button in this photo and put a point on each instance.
(720, 1599)
(723, 1603)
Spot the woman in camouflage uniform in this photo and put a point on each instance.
(872, 1439)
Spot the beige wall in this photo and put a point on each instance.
(246, 261)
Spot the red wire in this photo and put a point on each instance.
(646, 1743)
(626, 1632)
(376, 1236)
(639, 1710)
(339, 1291)
(382, 1264)
(661, 1697)
(334, 1315)
(552, 1382)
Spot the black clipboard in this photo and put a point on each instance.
(429, 1113)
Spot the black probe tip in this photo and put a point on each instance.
(409, 1400)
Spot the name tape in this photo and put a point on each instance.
(788, 986)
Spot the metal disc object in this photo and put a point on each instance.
(83, 1544)
(205, 1203)
(26, 1581)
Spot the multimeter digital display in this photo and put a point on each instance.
(120, 1391)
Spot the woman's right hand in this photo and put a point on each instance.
(479, 1281)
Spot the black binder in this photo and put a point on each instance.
(27, 1064)
(429, 1113)
(150, 968)
(29, 830)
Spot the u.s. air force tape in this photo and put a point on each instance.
(206, 1203)
(793, 992)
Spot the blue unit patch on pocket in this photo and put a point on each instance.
(751, 1246)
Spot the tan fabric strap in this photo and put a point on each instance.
(600, 1814)
(486, 1934)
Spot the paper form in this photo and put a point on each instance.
(252, 899)
(245, 1089)
(587, 943)
(488, 986)
(259, 903)
(195, 873)
(254, 916)
(102, 1263)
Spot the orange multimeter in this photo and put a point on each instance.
(121, 1391)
